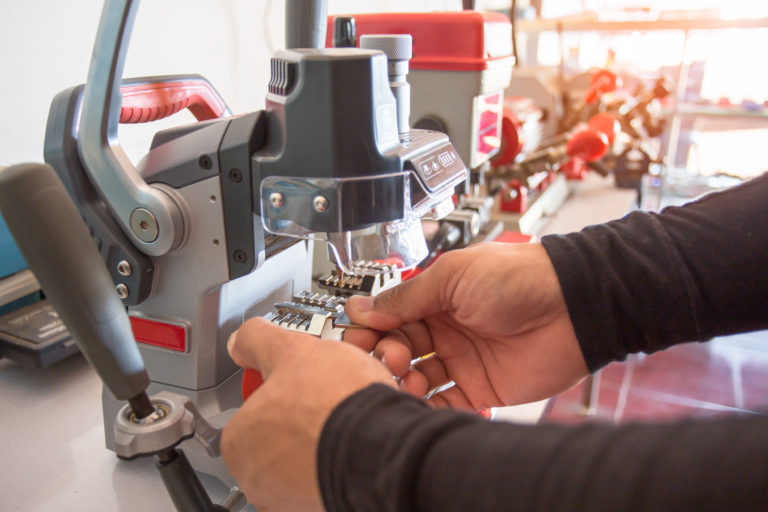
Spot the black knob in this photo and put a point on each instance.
(344, 32)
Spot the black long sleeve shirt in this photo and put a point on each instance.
(641, 283)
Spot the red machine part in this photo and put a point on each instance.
(452, 41)
(511, 139)
(587, 144)
(584, 146)
(150, 101)
(603, 81)
(252, 379)
(514, 197)
(159, 334)
(605, 123)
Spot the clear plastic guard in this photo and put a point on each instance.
(398, 242)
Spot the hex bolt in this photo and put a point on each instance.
(276, 200)
(122, 291)
(124, 268)
(320, 204)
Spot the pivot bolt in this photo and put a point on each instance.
(144, 225)
(122, 291)
(276, 200)
(320, 204)
(124, 268)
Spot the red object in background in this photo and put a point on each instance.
(513, 197)
(603, 81)
(587, 145)
(604, 123)
(513, 237)
(574, 169)
(451, 41)
(159, 334)
(511, 139)
(252, 379)
(150, 101)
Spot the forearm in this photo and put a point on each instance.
(384, 451)
(648, 281)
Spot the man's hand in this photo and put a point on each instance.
(270, 444)
(494, 316)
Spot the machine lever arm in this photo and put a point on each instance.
(150, 218)
(59, 250)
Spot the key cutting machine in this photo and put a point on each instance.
(460, 65)
(215, 224)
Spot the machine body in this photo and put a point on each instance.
(216, 223)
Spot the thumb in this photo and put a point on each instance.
(262, 345)
(407, 302)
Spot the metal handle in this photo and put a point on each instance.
(149, 216)
(59, 250)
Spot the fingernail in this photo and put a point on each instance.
(231, 342)
(362, 303)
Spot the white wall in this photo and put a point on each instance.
(45, 46)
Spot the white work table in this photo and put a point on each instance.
(53, 451)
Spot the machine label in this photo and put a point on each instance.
(439, 166)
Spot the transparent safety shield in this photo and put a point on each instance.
(362, 219)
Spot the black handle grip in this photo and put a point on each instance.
(61, 253)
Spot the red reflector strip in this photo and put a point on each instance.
(159, 334)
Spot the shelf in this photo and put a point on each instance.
(716, 111)
(591, 22)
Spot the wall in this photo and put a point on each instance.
(46, 47)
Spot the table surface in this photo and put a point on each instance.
(53, 450)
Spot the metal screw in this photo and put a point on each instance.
(144, 225)
(205, 162)
(124, 268)
(276, 200)
(122, 291)
(240, 256)
(320, 204)
(236, 175)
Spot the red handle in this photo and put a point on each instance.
(252, 379)
(587, 145)
(153, 100)
(603, 81)
(604, 123)
(511, 139)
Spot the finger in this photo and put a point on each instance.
(398, 348)
(414, 383)
(365, 339)
(434, 372)
(394, 350)
(409, 301)
(420, 338)
(262, 345)
(453, 398)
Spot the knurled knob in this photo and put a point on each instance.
(395, 46)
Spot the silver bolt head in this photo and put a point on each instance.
(276, 199)
(124, 268)
(320, 204)
(144, 225)
(122, 291)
